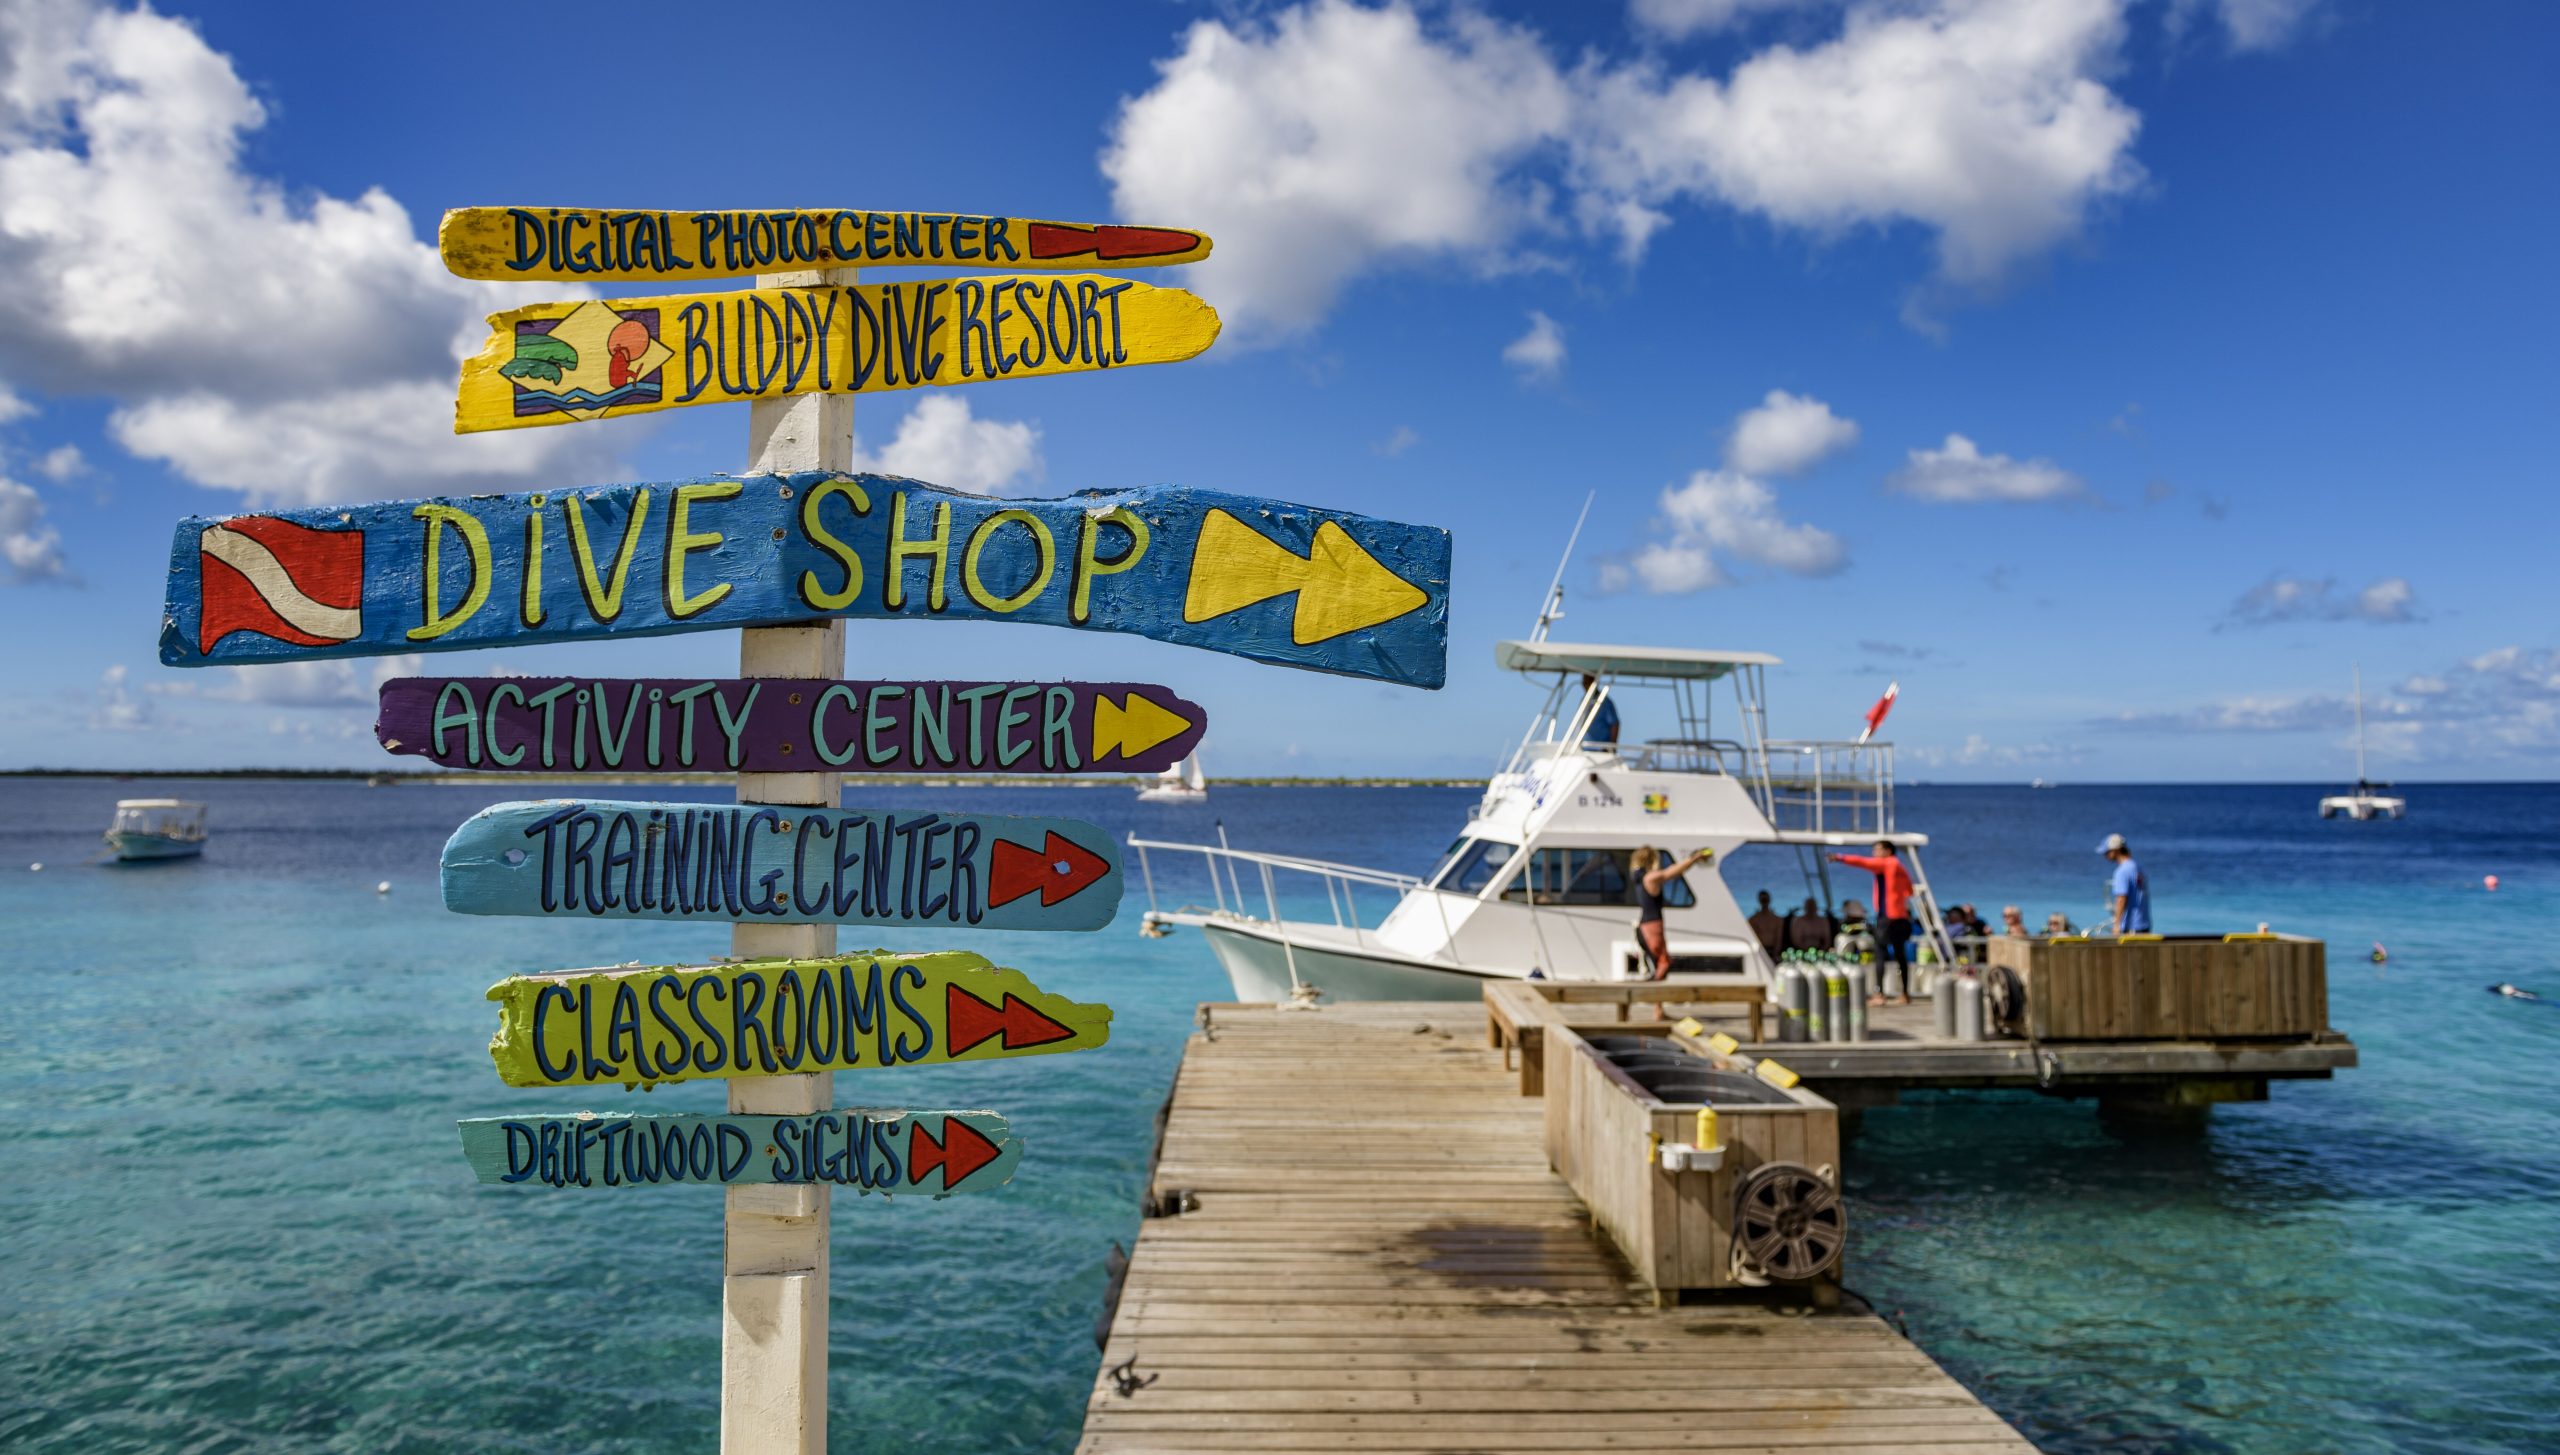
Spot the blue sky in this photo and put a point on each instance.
(2114, 375)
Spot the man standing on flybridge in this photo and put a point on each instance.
(2128, 888)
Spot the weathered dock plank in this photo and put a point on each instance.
(1375, 1257)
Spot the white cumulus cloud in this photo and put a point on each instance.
(942, 441)
(1680, 19)
(1332, 137)
(1786, 435)
(1958, 472)
(1739, 516)
(1331, 140)
(1984, 121)
(1539, 353)
(2249, 25)
(2389, 601)
(147, 265)
(1731, 515)
(335, 683)
(30, 547)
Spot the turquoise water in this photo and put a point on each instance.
(234, 1214)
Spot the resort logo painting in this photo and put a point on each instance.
(294, 583)
(595, 358)
(1656, 801)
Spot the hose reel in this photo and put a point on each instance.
(1789, 1223)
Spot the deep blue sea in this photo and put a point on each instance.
(234, 1213)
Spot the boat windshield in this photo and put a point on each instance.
(1586, 876)
(1471, 864)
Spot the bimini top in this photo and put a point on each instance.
(1682, 662)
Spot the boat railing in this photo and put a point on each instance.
(1340, 881)
(1810, 787)
(1828, 787)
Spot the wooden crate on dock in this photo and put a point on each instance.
(2177, 987)
(1675, 1228)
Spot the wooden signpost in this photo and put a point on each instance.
(888, 1152)
(1300, 587)
(555, 363)
(594, 244)
(776, 864)
(778, 1018)
(556, 725)
(786, 552)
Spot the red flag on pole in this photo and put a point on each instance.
(1875, 714)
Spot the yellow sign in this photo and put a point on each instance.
(556, 362)
(1341, 588)
(578, 244)
(1133, 724)
(666, 1023)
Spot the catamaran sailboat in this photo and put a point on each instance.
(1536, 883)
(1181, 783)
(2366, 802)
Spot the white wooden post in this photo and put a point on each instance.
(773, 1292)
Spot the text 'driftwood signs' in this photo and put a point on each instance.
(601, 244)
(555, 363)
(785, 725)
(1287, 584)
(926, 1153)
(876, 1011)
(745, 863)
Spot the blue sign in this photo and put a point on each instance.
(1264, 579)
(743, 863)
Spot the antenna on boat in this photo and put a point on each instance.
(1553, 610)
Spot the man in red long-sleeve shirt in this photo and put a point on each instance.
(1893, 910)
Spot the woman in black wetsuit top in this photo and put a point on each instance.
(1651, 873)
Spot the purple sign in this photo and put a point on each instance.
(785, 725)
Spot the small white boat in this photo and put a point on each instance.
(157, 828)
(1180, 783)
(2367, 801)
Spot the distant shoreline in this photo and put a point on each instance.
(720, 780)
(401, 778)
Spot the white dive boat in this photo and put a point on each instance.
(1536, 883)
(2367, 801)
(1180, 783)
(157, 828)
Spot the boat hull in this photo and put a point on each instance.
(132, 848)
(1258, 966)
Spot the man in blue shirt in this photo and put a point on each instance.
(1604, 723)
(2128, 888)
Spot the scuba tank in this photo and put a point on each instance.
(1968, 1008)
(1942, 998)
(1857, 976)
(1835, 987)
(1791, 1000)
(1817, 1009)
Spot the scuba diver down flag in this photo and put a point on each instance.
(295, 583)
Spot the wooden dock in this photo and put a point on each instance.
(1372, 1255)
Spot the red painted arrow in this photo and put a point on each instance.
(1110, 242)
(961, 1151)
(969, 1022)
(1060, 869)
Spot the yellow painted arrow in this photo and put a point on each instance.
(1132, 725)
(1341, 588)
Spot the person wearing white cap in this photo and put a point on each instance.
(2128, 888)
